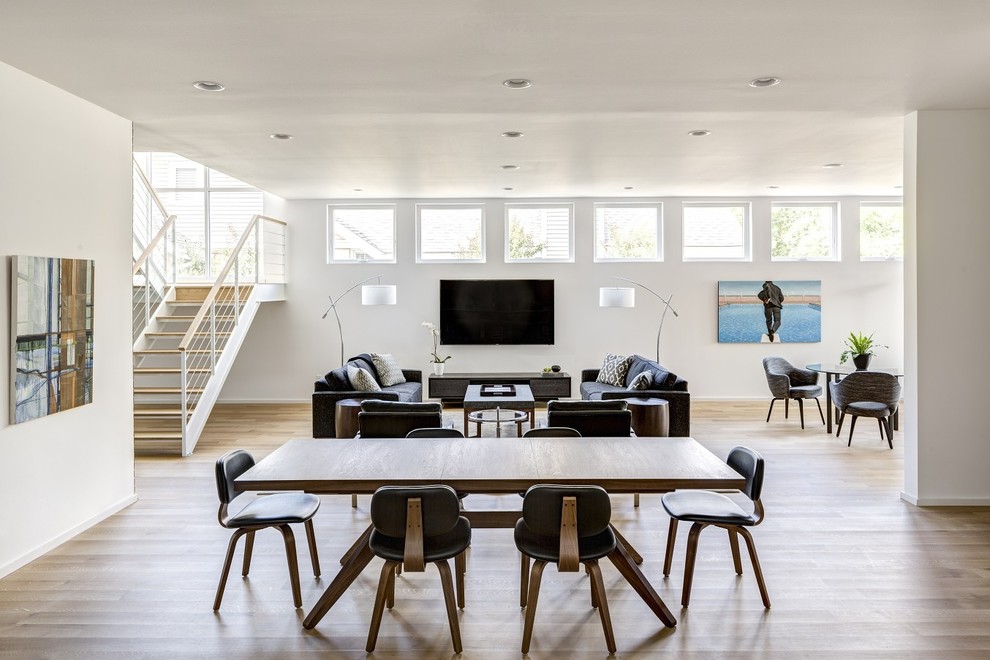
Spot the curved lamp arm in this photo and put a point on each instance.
(333, 308)
(666, 306)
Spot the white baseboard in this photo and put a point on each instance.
(945, 501)
(50, 545)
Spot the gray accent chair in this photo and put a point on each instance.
(789, 382)
(867, 394)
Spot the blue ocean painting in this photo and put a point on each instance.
(741, 319)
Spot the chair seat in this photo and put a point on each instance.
(276, 509)
(805, 391)
(868, 409)
(547, 548)
(435, 548)
(706, 507)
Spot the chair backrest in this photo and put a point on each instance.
(877, 386)
(542, 507)
(395, 419)
(750, 465)
(439, 505)
(228, 467)
(434, 433)
(777, 370)
(552, 432)
(605, 423)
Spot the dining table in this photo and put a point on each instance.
(489, 466)
(834, 372)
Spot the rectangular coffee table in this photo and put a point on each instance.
(521, 400)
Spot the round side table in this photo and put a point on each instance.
(650, 417)
(346, 418)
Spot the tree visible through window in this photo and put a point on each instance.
(881, 231)
(536, 232)
(804, 231)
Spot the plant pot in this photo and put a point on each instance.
(438, 368)
(862, 361)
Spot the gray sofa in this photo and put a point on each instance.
(666, 385)
(335, 386)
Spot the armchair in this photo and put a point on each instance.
(867, 394)
(789, 382)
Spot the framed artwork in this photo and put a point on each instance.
(769, 311)
(51, 318)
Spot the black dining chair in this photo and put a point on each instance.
(272, 510)
(414, 526)
(567, 526)
(552, 432)
(705, 508)
(789, 382)
(867, 394)
(434, 432)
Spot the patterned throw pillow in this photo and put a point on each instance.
(613, 371)
(641, 382)
(362, 380)
(388, 369)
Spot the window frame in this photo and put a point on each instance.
(836, 230)
(655, 204)
(480, 206)
(356, 207)
(880, 203)
(539, 205)
(747, 230)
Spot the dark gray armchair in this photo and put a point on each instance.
(789, 382)
(867, 394)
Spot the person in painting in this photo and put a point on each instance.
(773, 301)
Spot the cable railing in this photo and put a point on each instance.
(154, 253)
(257, 258)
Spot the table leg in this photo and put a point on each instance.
(465, 422)
(519, 429)
(630, 571)
(828, 404)
(356, 562)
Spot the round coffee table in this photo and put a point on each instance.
(650, 417)
(498, 416)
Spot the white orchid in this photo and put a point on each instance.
(435, 332)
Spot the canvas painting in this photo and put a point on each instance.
(770, 311)
(51, 306)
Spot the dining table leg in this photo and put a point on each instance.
(355, 562)
(828, 403)
(623, 561)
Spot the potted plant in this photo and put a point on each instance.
(438, 362)
(860, 348)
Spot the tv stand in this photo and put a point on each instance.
(450, 388)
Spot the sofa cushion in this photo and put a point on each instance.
(376, 405)
(407, 391)
(362, 380)
(662, 379)
(586, 406)
(389, 371)
(642, 381)
(614, 369)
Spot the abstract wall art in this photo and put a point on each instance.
(770, 311)
(51, 311)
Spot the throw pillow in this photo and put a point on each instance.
(613, 371)
(389, 372)
(641, 382)
(362, 380)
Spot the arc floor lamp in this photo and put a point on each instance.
(624, 296)
(371, 294)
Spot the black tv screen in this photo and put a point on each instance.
(496, 311)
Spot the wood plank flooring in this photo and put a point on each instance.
(853, 571)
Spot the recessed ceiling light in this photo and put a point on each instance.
(280, 136)
(898, 186)
(516, 83)
(208, 86)
(768, 81)
(509, 167)
(772, 187)
(699, 133)
(628, 188)
(512, 134)
(507, 188)
(831, 166)
(358, 189)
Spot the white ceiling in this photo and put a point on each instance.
(403, 98)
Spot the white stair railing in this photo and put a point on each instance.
(154, 252)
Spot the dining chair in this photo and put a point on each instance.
(434, 432)
(259, 512)
(706, 508)
(552, 432)
(567, 526)
(867, 394)
(789, 382)
(414, 526)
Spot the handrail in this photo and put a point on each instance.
(150, 189)
(153, 243)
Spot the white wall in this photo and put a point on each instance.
(65, 191)
(947, 456)
(289, 345)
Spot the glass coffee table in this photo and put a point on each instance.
(498, 416)
(516, 407)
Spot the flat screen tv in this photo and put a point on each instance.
(496, 311)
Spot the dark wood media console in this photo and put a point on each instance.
(450, 388)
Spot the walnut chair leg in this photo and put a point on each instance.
(852, 427)
(598, 588)
(801, 410)
(460, 567)
(390, 594)
(290, 555)
(734, 545)
(668, 558)
(314, 556)
(248, 551)
(448, 599)
(692, 555)
(388, 571)
(523, 579)
(756, 566)
(534, 595)
(231, 546)
(820, 413)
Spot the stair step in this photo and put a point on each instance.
(161, 412)
(179, 335)
(168, 351)
(190, 317)
(169, 370)
(167, 390)
(158, 436)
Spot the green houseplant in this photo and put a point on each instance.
(860, 348)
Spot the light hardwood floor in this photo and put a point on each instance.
(853, 571)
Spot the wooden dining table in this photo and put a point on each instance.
(489, 466)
